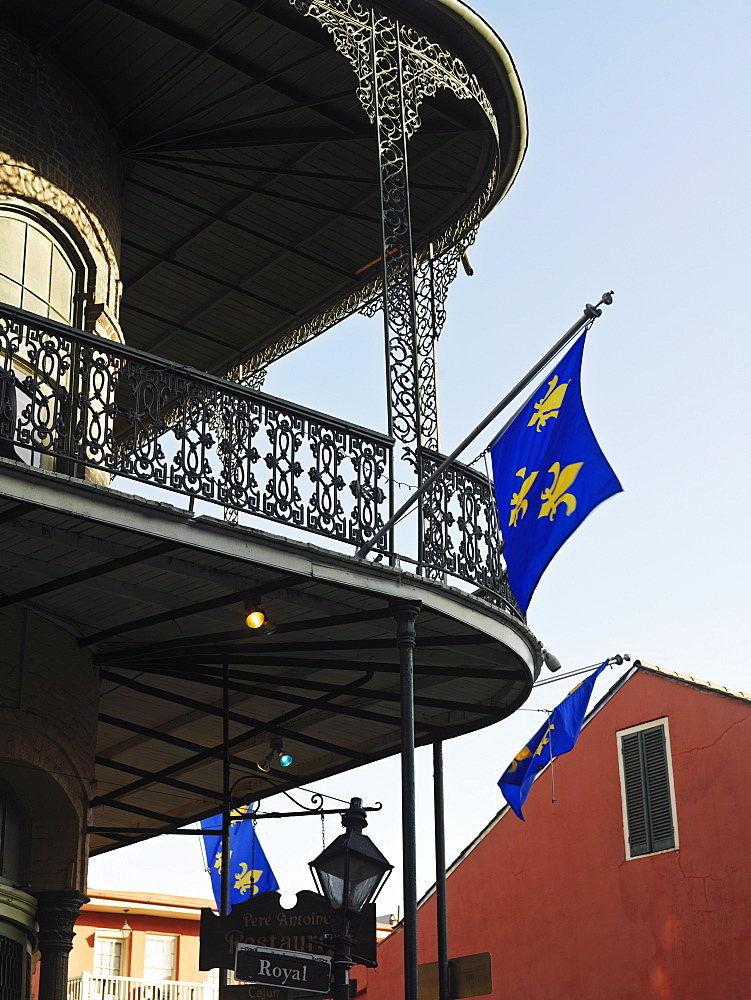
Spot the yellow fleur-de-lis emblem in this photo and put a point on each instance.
(556, 494)
(544, 741)
(522, 755)
(550, 404)
(245, 878)
(518, 502)
(218, 861)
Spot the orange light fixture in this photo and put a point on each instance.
(255, 619)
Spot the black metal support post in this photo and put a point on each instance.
(226, 805)
(405, 613)
(341, 965)
(440, 874)
(57, 911)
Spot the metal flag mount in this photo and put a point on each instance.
(590, 314)
(555, 737)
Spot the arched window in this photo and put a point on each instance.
(42, 272)
(40, 269)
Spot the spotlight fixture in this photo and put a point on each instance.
(551, 662)
(255, 618)
(275, 754)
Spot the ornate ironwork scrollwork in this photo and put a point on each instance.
(349, 23)
(282, 499)
(46, 424)
(94, 439)
(397, 68)
(427, 67)
(459, 534)
(369, 461)
(69, 395)
(328, 514)
(433, 278)
(392, 117)
(238, 422)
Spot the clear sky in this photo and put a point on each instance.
(636, 179)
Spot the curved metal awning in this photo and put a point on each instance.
(251, 202)
(158, 597)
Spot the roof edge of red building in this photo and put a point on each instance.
(636, 667)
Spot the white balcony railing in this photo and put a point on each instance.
(90, 987)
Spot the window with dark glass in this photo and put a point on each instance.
(15, 835)
(648, 802)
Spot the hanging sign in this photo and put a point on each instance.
(469, 976)
(262, 921)
(257, 991)
(296, 970)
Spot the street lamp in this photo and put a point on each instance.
(349, 873)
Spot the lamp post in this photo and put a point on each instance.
(349, 873)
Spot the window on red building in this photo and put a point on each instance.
(647, 789)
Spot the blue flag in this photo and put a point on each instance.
(549, 473)
(250, 872)
(558, 735)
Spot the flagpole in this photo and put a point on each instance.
(552, 772)
(590, 313)
(613, 661)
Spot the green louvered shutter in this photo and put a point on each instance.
(649, 809)
(658, 789)
(636, 806)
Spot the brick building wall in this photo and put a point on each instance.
(56, 152)
(47, 741)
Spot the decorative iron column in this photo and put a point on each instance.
(57, 911)
(405, 613)
(433, 276)
(397, 68)
(399, 291)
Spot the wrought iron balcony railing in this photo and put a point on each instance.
(72, 402)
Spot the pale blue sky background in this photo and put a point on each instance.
(636, 179)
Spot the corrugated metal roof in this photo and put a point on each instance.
(251, 186)
(157, 596)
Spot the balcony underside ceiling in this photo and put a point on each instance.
(157, 596)
(251, 200)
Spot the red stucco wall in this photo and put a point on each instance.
(562, 912)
